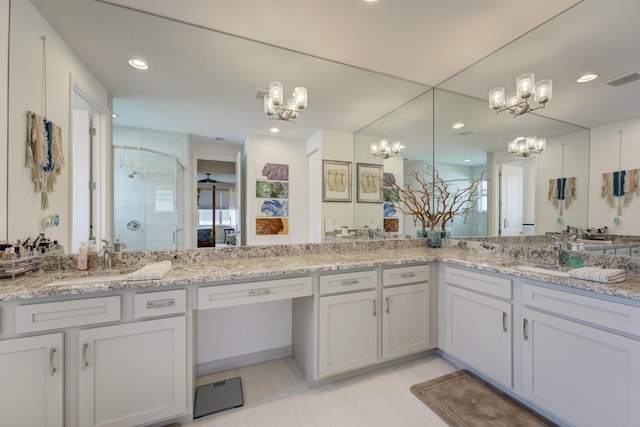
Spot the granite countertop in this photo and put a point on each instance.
(56, 283)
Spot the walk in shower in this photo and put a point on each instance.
(147, 197)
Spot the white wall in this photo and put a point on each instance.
(552, 166)
(609, 155)
(25, 73)
(265, 149)
(4, 90)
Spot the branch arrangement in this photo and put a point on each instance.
(431, 201)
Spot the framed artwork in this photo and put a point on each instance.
(369, 183)
(336, 181)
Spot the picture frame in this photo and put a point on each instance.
(336, 181)
(369, 182)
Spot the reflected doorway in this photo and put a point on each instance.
(217, 203)
(517, 189)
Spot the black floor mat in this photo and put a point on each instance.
(217, 397)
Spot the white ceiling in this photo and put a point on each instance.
(359, 60)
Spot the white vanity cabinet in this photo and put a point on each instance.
(477, 317)
(405, 311)
(578, 360)
(31, 385)
(347, 322)
(362, 322)
(132, 373)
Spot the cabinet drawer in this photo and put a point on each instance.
(64, 314)
(247, 293)
(346, 282)
(479, 282)
(405, 275)
(607, 314)
(160, 303)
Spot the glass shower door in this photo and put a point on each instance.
(147, 200)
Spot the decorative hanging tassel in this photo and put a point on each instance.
(29, 151)
(44, 204)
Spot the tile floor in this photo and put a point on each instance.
(276, 395)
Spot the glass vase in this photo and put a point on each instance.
(434, 239)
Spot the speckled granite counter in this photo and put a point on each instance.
(200, 271)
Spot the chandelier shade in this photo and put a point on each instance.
(526, 146)
(518, 103)
(276, 109)
(385, 149)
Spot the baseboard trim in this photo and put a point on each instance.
(210, 367)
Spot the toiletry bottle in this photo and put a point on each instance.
(83, 257)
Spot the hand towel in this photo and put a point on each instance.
(603, 275)
(153, 271)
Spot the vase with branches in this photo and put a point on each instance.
(433, 201)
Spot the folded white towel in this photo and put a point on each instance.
(604, 275)
(153, 271)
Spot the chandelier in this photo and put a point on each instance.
(525, 147)
(518, 103)
(385, 150)
(276, 109)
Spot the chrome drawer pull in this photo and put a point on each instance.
(160, 303)
(350, 282)
(504, 321)
(374, 307)
(525, 334)
(407, 275)
(85, 364)
(52, 367)
(257, 293)
(386, 300)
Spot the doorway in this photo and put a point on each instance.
(517, 198)
(217, 203)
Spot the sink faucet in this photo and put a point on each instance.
(106, 255)
(557, 248)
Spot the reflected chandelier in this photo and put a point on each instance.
(525, 147)
(275, 108)
(518, 103)
(385, 150)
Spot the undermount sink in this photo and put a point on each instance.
(549, 271)
(106, 278)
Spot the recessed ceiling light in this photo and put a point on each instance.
(138, 64)
(115, 116)
(458, 125)
(370, 1)
(467, 160)
(274, 130)
(587, 78)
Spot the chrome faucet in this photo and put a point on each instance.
(107, 249)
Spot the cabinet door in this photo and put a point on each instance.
(31, 385)
(348, 333)
(132, 373)
(405, 320)
(584, 375)
(478, 332)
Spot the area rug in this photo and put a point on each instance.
(462, 399)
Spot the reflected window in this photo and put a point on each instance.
(482, 197)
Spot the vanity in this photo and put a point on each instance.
(117, 353)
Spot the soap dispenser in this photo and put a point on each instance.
(83, 257)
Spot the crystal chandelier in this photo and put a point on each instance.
(518, 103)
(276, 109)
(385, 150)
(525, 147)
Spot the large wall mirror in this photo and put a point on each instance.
(341, 98)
